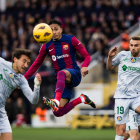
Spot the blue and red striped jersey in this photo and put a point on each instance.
(62, 53)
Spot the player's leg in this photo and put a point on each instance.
(5, 129)
(132, 126)
(134, 134)
(132, 130)
(6, 136)
(120, 131)
(64, 106)
(73, 79)
(136, 107)
(126, 135)
(121, 117)
(69, 106)
(63, 77)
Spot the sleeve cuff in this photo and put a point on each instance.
(38, 87)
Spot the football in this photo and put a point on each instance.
(42, 33)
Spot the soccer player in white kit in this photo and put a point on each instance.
(127, 95)
(10, 78)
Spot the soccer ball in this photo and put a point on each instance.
(42, 33)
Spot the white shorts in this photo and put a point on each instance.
(132, 124)
(122, 107)
(5, 125)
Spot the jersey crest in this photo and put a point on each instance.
(11, 75)
(133, 60)
(65, 47)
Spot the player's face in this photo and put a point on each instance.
(135, 47)
(57, 31)
(22, 64)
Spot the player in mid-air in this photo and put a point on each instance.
(62, 50)
(10, 78)
(127, 95)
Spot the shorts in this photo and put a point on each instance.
(75, 81)
(132, 124)
(5, 125)
(122, 107)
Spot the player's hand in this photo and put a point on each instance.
(37, 79)
(84, 71)
(113, 52)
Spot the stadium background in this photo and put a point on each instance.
(99, 25)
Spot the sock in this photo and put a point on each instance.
(77, 101)
(68, 107)
(60, 85)
(82, 99)
(64, 110)
(119, 137)
(58, 102)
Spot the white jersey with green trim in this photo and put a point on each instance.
(9, 81)
(128, 85)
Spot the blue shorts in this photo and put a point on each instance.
(75, 81)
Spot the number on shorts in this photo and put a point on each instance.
(134, 118)
(120, 110)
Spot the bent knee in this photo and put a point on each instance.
(120, 130)
(134, 134)
(57, 114)
(120, 133)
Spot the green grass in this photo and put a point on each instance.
(62, 134)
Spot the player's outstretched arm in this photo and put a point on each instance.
(37, 63)
(32, 96)
(111, 54)
(83, 52)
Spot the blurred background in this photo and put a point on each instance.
(99, 25)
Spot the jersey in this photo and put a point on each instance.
(62, 53)
(9, 81)
(128, 85)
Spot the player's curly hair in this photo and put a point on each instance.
(54, 21)
(135, 38)
(18, 52)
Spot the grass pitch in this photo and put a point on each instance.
(62, 134)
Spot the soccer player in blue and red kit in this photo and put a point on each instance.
(62, 50)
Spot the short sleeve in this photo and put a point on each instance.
(116, 60)
(1, 59)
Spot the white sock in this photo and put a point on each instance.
(117, 137)
(129, 139)
(82, 99)
(57, 102)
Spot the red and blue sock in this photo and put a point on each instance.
(68, 107)
(60, 85)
